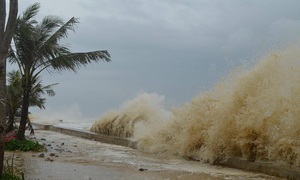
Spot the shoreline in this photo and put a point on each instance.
(259, 167)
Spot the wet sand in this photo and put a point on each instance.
(70, 157)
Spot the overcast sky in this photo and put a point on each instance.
(175, 48)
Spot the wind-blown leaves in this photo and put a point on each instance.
(73, 61)
(37, 47)
(14, 97)
(30, 12)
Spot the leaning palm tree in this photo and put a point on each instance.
(14, 97)
(37, 47)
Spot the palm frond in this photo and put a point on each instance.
(38, 102)
(30, 12)
(50, 92)
(50, 48)
(73, 61)
(45, 29)
(11, 56)
(49, 23)
(61, 33)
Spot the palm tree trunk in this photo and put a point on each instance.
(7, 27)
(24, 113)
(11, 121)
(2, 107)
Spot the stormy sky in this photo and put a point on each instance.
(175, 48)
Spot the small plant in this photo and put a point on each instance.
(9, 176)
(27, 145)
(8, 171)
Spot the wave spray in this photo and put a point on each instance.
(252, 114)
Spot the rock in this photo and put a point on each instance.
(49, 159)
(41, 155)
(142, 169)
(75, 145)
(59, 150)
(62, 144)
(43, 139)
(52, 154)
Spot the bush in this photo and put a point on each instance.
(27, 145)
(9, 176)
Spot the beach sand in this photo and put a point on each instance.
(74, 158)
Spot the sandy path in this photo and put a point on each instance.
(75, 158)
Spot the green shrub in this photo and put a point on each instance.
(9, 176)
(27, 145)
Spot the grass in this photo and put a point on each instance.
(8, 171)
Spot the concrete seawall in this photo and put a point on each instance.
(88, 135)
(265, 168)
(291, 173)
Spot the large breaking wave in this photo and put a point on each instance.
(254, 114)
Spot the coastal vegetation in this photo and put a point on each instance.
(37, 48)
(14, 98)
(27, 145)
(10, 170)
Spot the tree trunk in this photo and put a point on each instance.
(11, 121)
(2, 107)
(24, 112)
(6, 33)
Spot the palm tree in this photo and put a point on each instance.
(7, 28)
(14, 97)
(37, 47)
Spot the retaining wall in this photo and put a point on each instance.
(88, 135)
(291, 173)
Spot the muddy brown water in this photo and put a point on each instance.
(74, 158)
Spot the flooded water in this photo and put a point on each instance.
(253, 113)
(70, 157)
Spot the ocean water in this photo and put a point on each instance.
(70, 117)
(253, 113)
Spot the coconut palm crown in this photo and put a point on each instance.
(37, 47)
(14, 96)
